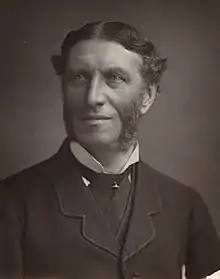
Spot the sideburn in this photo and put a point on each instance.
(68, 122)
(130, 119)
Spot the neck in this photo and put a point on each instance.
(112, 160)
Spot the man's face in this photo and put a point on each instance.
(103, 93)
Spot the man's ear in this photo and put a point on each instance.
(58, 64)
(148, 98)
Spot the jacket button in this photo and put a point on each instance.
(135, 275)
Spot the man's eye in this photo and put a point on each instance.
(116, 78)
(78, 77)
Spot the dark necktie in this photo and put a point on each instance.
(110, 191)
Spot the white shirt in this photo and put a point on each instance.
(85, 158)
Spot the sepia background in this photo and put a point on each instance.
(180, 136)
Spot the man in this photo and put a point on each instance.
(94, 210)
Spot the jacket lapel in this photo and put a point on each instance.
(146, 204)
(76, 201)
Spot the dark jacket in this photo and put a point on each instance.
(50, 227)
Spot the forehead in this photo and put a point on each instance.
(102, 54)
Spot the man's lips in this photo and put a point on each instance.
(94, 119)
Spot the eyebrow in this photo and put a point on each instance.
(80, 70)
(111, 69)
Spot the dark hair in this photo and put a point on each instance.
(124, 34)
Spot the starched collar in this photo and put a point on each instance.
(85, 158)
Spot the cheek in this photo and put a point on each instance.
(129, 93)
(126, 101)
(74, 97)
(129, 110)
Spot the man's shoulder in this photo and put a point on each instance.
(46, 170)
(170, 188)
(34, 173)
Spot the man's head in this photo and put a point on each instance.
(110, 77)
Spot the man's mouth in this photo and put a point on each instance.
(95, 119)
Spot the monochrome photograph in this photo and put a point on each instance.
(109, 114)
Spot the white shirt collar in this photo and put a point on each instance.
(85, 158)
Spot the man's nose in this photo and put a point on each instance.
(95, 94)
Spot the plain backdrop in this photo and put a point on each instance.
(180, 136)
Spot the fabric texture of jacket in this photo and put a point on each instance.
(51, 228)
